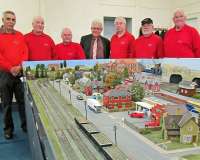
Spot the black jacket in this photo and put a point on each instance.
(86, 43)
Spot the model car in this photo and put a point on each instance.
(152, 124)
(79, 97)
(137, 114)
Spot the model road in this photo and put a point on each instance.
(74, 144)
(129, 141)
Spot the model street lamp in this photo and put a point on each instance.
(70, 96)
(115, 133)
(85, 109)
(59, 87)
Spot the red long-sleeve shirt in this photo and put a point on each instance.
(182, 44)
(148, 47)
(40, 47)
(122, 47)
(69, 51)
(13, 50)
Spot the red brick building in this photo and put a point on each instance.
(117, 99)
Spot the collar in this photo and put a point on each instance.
(94, 38)
(37, 34)
(117, 35)
(180, 29)
(66, 44)
(3, 31)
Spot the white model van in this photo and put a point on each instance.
(94, 105)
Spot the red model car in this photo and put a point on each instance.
(152, 124)
(137, 114)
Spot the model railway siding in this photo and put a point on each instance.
(101, 139)
(91, 129)
(45, 120)
(113, 152)
(55, 110)
(110, 151)
(66, 118)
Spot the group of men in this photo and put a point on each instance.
(180, 41)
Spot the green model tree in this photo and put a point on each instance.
(72, 79)
(137, 92)
(112, 79)
(77, 68)
(65, 64)
(125, 73)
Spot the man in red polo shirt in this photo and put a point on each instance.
(68, 50)
(182, 41)
(148, 45)
(122, 41)
(13, 51)
(40, 45)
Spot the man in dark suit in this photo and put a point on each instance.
(94, 45)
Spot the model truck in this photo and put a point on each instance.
(94, 105)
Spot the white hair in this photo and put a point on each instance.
(66, 29)
(97, 22)
(120, 19)
(179, 11)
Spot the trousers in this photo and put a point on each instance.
(9, 86)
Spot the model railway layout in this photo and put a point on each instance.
(57, 116)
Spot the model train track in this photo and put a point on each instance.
(73, 143)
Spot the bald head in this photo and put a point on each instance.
(38, 25)
(179, 19)
(66, 35)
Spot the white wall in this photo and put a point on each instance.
(191, 8)
(25, 11)
(78, 14)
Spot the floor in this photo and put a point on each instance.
(18, 147)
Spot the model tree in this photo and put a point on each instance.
(43, 70)
(72, 79)
(61, 65)
(77, 68)
(37, 71)
(112, 79)
(28, 70)
(65, 64)
(125, 73)
(137, 92)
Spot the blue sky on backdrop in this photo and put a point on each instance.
(193, 64)
(70, 63)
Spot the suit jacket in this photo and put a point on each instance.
(86, 43)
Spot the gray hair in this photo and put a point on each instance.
(121, 19)
(97, 22)
(66, 29)
(8, 12)
(37, 17)
(180, 11)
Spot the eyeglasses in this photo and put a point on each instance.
(11, 19)
(96, 28)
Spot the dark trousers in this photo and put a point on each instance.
(10, 85)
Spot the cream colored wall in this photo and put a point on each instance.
(191, 8)
(78, 14)
(25, 11)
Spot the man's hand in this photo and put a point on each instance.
(16, 70)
